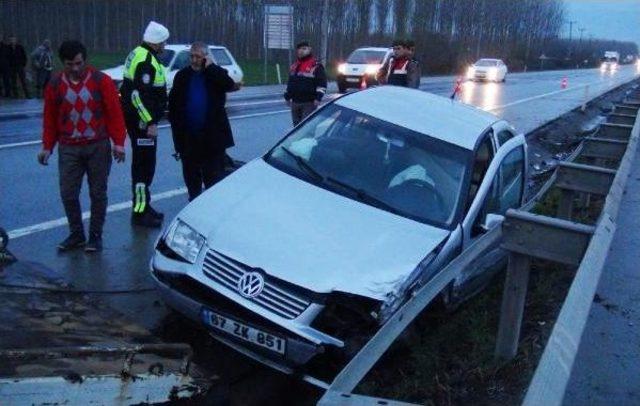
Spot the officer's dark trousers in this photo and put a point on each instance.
(199, 166)
(143, 166)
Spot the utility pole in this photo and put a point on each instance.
(324, 41)
(571, 30)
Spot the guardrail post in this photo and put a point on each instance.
(512, 309)
(565, 205)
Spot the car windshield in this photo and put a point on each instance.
(165, 57)
(362, 56)
(220, 57)
(378, 163)
(487, 62)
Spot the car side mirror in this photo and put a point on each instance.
(491, 221)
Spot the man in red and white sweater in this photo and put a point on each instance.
(82, 113)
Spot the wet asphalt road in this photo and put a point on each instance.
(30, 208)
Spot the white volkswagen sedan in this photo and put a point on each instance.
(492, 70)
(333, 229)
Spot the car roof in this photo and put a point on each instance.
(186, 47)
(439, 117)
(372, 49)
(489, 59)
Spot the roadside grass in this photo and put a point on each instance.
(254, 72)
(448, 357)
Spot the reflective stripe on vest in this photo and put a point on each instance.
(138, 55)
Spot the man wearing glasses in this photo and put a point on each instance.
(199, 122)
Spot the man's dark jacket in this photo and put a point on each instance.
(217, 131)
(17, 56)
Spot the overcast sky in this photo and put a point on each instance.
(610, 19)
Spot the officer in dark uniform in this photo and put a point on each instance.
(307, 83)
(144, 100)
(401, 69)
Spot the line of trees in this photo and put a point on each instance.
(448, 33)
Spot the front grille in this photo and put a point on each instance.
(274, 298)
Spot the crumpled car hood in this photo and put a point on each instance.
(307, 235)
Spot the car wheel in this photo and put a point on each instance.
(342, 88)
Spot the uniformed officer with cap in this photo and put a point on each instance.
(144, 99)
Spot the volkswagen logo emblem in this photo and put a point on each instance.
(251, 284)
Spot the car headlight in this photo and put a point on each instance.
(184, 240)
(342, 68)
(493, 73)
(471, 71)
(371, 69)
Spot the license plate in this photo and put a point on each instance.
(354, 80)
(243, 331)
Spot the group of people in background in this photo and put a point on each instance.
(13, 68)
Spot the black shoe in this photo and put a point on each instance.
(72, 242)
(94, 244)
(146, 220)
(154, 213)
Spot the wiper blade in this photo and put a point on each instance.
(364, 196)
(303, 164)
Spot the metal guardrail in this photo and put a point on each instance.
(521, 234)
(554, 369)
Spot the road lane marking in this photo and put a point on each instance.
(244, 116)
(62, 221)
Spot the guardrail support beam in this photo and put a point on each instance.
(584, 178)
(620, 118)
(527, 236)
(603, 148)
(615, 131)
(512, 309)
(626, 109)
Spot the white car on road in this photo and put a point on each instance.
(333, 229)
(362, 64)
(176, 57)
(492, 70)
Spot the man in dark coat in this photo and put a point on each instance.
(199, 122)
(5, 82)
(17, 65)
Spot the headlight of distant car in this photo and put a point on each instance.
(371, 69)
(342, 68)
(603, 67)
(471, 72)
(184, 240)
(492, 73)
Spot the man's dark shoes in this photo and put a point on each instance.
(94, 244)
(154, 213)
(72, 242)
(146, 220)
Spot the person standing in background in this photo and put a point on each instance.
(307, 83)
(42, 63)
(17, 66)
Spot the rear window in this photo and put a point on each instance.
(221, 57)
(361, 56)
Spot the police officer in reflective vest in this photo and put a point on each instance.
(401, 69)
(144, 99)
